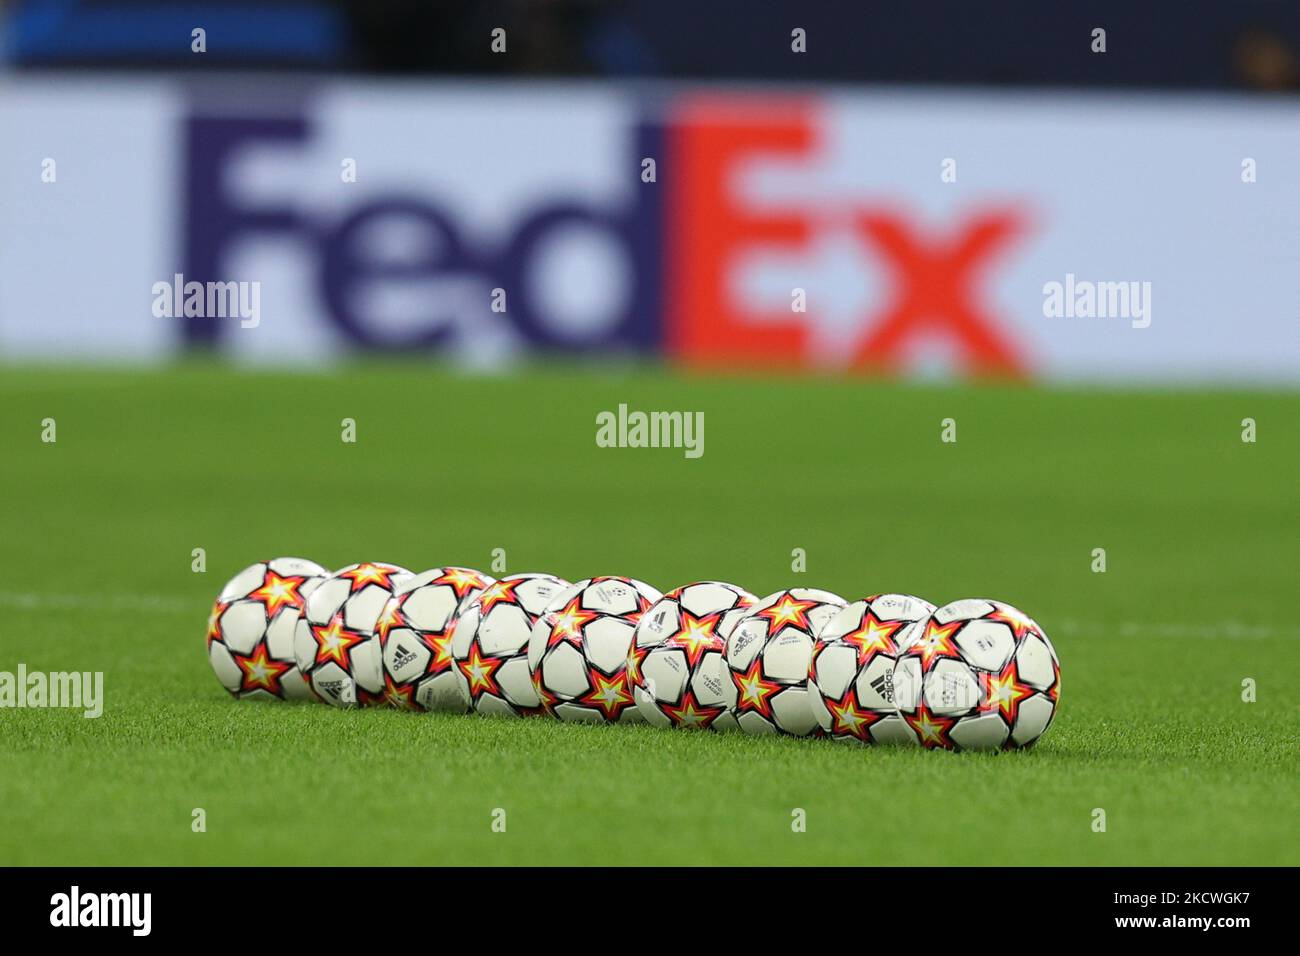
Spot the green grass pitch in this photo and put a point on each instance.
(1200, 531)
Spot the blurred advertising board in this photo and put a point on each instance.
(930, 233)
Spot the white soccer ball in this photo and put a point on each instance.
(335, 643)
(978, 675)
(578, 651)
(769, 654)
(677, 665)
(414, 631)
(490, 644)
(852, 676)
(250, 629)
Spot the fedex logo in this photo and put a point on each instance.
(679, 243)
(932, 275)
(438, 250)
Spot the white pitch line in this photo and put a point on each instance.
(101, 602)
(1233, 630)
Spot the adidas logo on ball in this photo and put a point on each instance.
(884, 685)
(340, 690)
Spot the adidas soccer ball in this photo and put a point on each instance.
(677, 667)
(414, 634)
(978, 675)
(335, 644)
(250, 629)
(490, 644)
(852, 676)
(769, 654)
(578, 651)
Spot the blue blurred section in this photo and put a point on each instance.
(1202, 44)
(1153, 43)
(57, 31)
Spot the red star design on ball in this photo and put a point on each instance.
(848, 718)
(1054, 692)
(788, 611)
(935, 641)
(369, 573)
(610, 695)
(390, 617)
(697, 635)
(401, 696)
(366, 698)
(480, 672)
(461, 580)
(635, 658)
(278, 592)
(214, 622)
(1004, 692)
(753, 690)
(930, 730)
(568, 622)
(873, 636)
(545, 697)
(441, 657)
(689, 715)
(502, 592)
(259, 671)
(334, 642)
(1019, 622)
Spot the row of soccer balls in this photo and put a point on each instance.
(893, 668)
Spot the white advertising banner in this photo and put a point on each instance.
(1045, 235)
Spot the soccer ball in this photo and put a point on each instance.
(852, 676)
(578, 651)
(250, 629)
(769, 654)
(490, 644)
(676, 666)
(335, 643)
(978, 675)
(414, 633)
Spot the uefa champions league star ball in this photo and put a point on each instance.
(578, 651)
(490, 644)
(978, 675)
(852, 676)
(769, 654)
(334, 643)
(250, 629)
(676, 667)
(414, 634)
